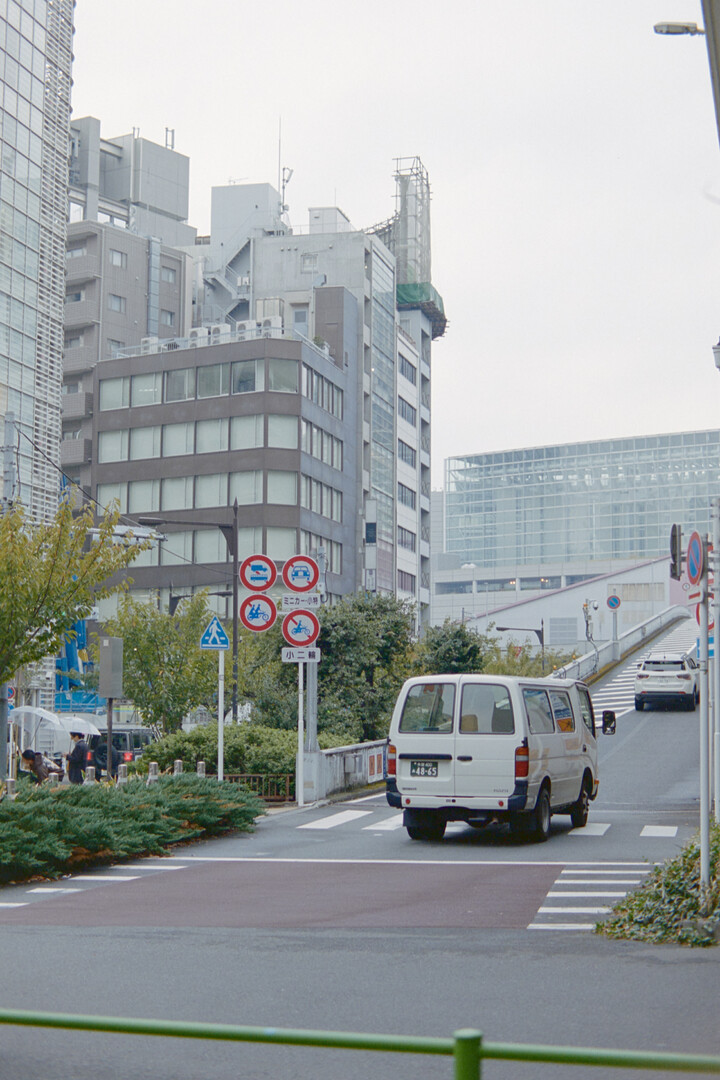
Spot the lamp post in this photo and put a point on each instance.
(532, 630)
(230, 532)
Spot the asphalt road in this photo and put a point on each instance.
(331, 918)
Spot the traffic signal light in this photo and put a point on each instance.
(676, 552)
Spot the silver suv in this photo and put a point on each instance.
(667, 678)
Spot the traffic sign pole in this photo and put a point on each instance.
(715, 726)
(221, 715)
(702, 580)
(300, 770)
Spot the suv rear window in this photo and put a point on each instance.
(664, 665)
(428, 708)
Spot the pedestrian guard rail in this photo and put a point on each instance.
(467, 1047)
(611, 651)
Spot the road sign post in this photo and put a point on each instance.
(214, 637)
(698, 575)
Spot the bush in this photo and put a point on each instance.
(248, 748)
(52, 830)
(666, 908)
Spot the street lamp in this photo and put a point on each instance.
(532, 630)
(230, 532)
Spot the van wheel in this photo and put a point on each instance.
(539, 819)
(579, 810)
(430, 827)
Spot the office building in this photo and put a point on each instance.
(36, 54)
(518, 523)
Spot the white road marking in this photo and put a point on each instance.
(52, 889)
(22, 903)
(592, 829)
(562, 926)
(388, 825)
(147, 866)
(559, 895)
(591, 881)
(659, 830)
(336, 819)
(646, 871)
(573, 910)
(105, 877)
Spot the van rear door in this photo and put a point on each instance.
(425, 739)
(485, 742)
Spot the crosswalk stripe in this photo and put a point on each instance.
(336, 819)
(388, 825)
(573, 910)
(591, 829)
(659, 830)
(106, 877)
(562, 926)
(604, 892)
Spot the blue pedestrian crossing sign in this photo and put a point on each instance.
(214, 636)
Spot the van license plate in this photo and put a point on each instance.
(423, 768)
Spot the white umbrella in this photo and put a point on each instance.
(78, 723)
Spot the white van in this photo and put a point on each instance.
(482, 748)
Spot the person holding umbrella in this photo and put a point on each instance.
(76, 758)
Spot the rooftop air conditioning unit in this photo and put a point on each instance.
(169, 346)
(246, 330)
(199, 335)
(148, 345)
(220, 330)
(272, 326)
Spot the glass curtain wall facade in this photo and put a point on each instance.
(36, 56)
(613, 499)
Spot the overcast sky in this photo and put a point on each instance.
(573, 158)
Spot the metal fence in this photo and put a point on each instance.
(467, 1047)
(279, 787)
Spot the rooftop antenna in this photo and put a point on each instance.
(169, 138)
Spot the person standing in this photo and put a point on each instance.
(76, 758)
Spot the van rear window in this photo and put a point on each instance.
(486, 710)
(428, 708)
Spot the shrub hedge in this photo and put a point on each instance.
(666, 908)
(50, 830)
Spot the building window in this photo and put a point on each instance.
(114, 346)
(283, 432)
(406, 411)
(180, 385)
(143, 496)
(211, 436)
(407, 496)
(118, 258)
(247, 376)
(283, 376)
(281, 543)
(177, 549)
(177, 493)
(146, 389)
(144, 443)
(117, 303)
(406, 453)
(74, 296)
(114, 393)
(168, 274)
(76, 252)
(406, 539)
(246, 487)
(211, 490)
(167, 318)
(178, 439)
(282, 487)
(210, 546)
(309, 262)
(246, 432)
(406, 582)
(107, 494)
(213, 381)
(408, 370)
(113, 446)
(74, 342)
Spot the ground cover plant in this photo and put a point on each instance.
(48, 831)
(667, 906)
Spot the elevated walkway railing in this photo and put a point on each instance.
(467, 1047)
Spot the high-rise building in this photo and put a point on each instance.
(127, 283)
(36, 54)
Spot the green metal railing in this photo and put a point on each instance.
(467, 1046)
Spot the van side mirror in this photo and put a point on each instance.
(608, 722)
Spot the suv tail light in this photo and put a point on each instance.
(684, 676)
(641, 676)
(89, 756)
(391, 760)
(522, 761)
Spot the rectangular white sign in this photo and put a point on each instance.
(292, 601)
(295, 656)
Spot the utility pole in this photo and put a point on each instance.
(9, 485)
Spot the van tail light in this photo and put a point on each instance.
(127, 756)
(522, 762)
(391, 760)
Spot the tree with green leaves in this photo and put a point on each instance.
(51, 578)
(165, 672)
(366, 645)
(452, 649)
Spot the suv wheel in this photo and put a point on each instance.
(639, 705)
